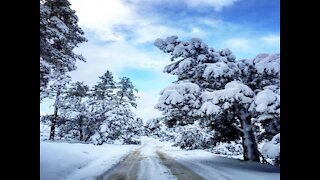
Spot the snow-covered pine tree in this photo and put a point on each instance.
(75, 109)
(122, 122)
(103, 95)
(125, 93)
(219, 92)
(113, 103)
(59, 35)
(102, 100)
(194, 64)
(57, 90)
(265, 68)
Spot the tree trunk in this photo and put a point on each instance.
(88, 136)
(250, 147)
(52, 130)
(80, 129)
(54, 120)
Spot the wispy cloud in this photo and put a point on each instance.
(102, 16)
(217, 5)
(248, 47)
(116, 20)
(115, 57)
(240, 44)
(271, 39)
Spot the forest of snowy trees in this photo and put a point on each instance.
(98, 114)
(218, 103)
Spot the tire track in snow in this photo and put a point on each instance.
(177, 169)
(149, 163)
(127, 169)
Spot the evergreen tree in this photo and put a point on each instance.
(76, 109)
(59, 35)
(113, 103)
(56, 91)
(221, 93)
(125, 93)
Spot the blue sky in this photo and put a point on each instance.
(121, 35)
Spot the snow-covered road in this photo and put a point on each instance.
(153, 160)
(149, 162)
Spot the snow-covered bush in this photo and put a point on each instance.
(227, 149)
(157, 129)
(193, 137)
(271, 150)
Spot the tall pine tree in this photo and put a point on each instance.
(59, 35)
(212, 87)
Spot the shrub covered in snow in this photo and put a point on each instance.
(227, 149)
(271, 150)
(192, 136)
(157, 129)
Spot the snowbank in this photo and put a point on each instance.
(59, 160)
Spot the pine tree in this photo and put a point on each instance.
(112, 102)
(103, 94)
(125, 92)
(56, 91)
(75, 109)
(59, 35)
(222, 92)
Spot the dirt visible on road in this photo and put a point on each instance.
(177, 169)
(129, 167)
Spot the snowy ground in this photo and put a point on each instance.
(60, 160)
(211, 166)
(152, 160)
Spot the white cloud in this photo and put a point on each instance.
(101, 16)
(115, 57)
(104, 17)
(212, 22)
(145, 109)
(218, 5)
(271, 39)
(239, 44)
(150, 32)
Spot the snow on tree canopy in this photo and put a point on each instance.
(183, 65)
(179, 48)
(171, 97)
(177, 93)
(218, 69)
(209, 108)
(271, 149)
(267, 63)
(234, 91)
(179, 99)
(59, 24)
(267, 100)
